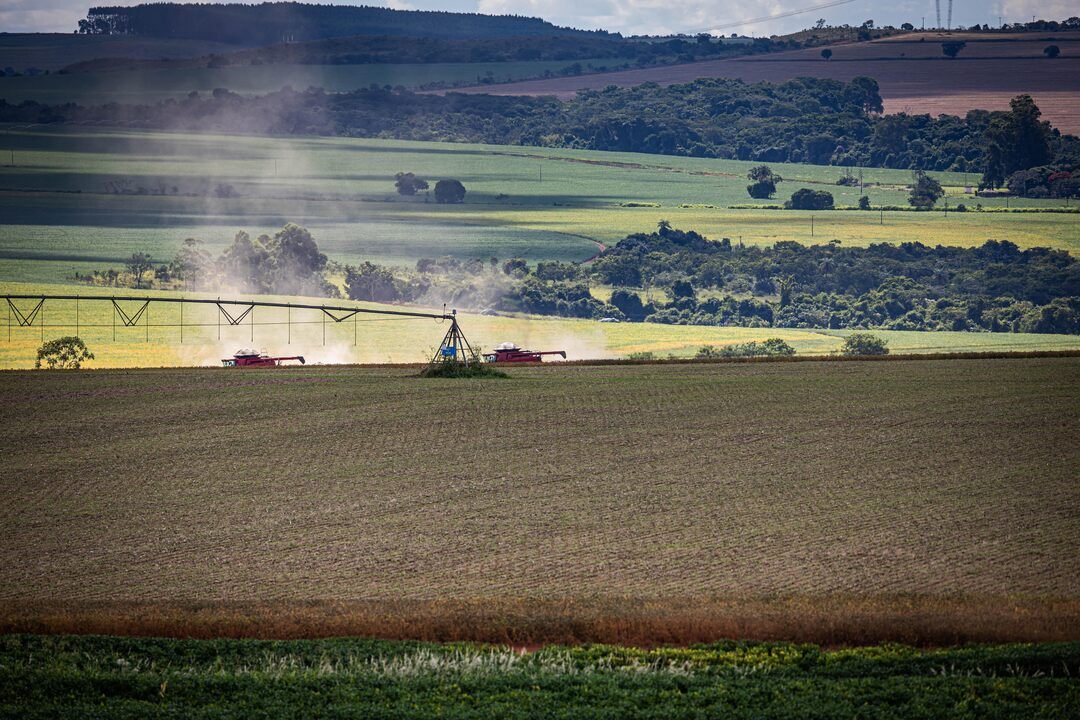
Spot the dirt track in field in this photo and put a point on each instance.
(914, 76)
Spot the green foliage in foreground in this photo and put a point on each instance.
(49, 676)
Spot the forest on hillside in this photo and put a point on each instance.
(271, 22)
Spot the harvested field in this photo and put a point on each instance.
(864, 480)
(914, 76)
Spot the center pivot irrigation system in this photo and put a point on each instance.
(29, 311)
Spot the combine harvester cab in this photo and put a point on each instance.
(252, 358)
(508, 352)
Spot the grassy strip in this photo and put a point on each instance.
(78, 677)
(826, 620)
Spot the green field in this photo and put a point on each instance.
(74, 200)
(53, 51)
(378, 340)
(144, 86)
(73, 677)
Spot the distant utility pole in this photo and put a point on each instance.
(881, 219)
(541, 173)
(811, 226)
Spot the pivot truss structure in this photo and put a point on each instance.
(29, 311)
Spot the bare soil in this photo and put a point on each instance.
(936, 479)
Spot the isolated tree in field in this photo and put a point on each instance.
(864, 202)
(138, 264)
(925, 191)
(826, 53)
(449, 191)
(1051, 51)
(409, 184)
(66, 353)
(764, 182)
(952, 48)
(864, 344)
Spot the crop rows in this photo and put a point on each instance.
(930, 477)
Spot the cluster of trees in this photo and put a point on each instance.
(448, 191)
(677, 277)
(272, 22)
(910, 286)
(995, 287)
(1044, 181)
(803, 121)
(287, 263)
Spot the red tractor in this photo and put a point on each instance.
(252, 358)
(509, 352)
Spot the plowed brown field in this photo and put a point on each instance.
(914, 75)
(938, 477)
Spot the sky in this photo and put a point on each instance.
(631, 17)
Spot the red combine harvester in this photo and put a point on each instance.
(252, 358)
(509, 352)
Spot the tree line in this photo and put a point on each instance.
(805, 120)
(673, 276)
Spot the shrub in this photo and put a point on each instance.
(952, 48)
(66, 353)
(864, 344)
(451, 367)
(761, 190)
(449, 191)
(807, 199)
(770, 347)
(864, 202)
(409, 184)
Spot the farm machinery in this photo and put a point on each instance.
(508, 352)
(253, 358)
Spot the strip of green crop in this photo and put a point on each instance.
(80, 676)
